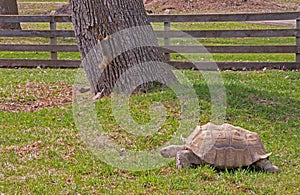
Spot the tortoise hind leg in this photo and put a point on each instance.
(187, 158)
(266, 165)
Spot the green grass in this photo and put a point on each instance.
(236, 57)
(42, 153)
(159, 26)
(39, 7)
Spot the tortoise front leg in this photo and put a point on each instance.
(266, 165)
(186, 158)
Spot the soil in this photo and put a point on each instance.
(217, 6)
(33, 97)
(207, 6)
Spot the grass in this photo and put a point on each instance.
(42, 153)
(158, 26)
(32, 7)
(39, 55)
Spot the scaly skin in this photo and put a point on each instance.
(171, 151)
(186, 158)
(266, 165)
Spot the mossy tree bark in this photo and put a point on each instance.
(101, 18)
(9, 7)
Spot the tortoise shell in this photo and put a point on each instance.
(226, 146)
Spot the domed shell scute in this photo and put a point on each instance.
(226, 145)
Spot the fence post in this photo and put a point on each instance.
(298, 40)
(167, 27)
(53, 40)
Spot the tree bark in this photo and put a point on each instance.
(9, 7)
(101, 19)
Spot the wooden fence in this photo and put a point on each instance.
(167, 34)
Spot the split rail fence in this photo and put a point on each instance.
(166, 34)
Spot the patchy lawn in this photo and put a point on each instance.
(41, 151)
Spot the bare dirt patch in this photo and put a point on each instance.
(217, 6)
(208, 6)
(33, 97)
(27, 152)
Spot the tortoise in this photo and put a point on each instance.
(221, 146)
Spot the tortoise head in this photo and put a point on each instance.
(171, 151)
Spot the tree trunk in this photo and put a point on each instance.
(9, 7)
(131, 41)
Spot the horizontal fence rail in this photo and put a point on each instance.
(12, 63)
(225, 17)
(37, 33)
(229, 33)
(167, 35)
(165, 49)
(39, 48)
(10, 18)
(164, 34)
